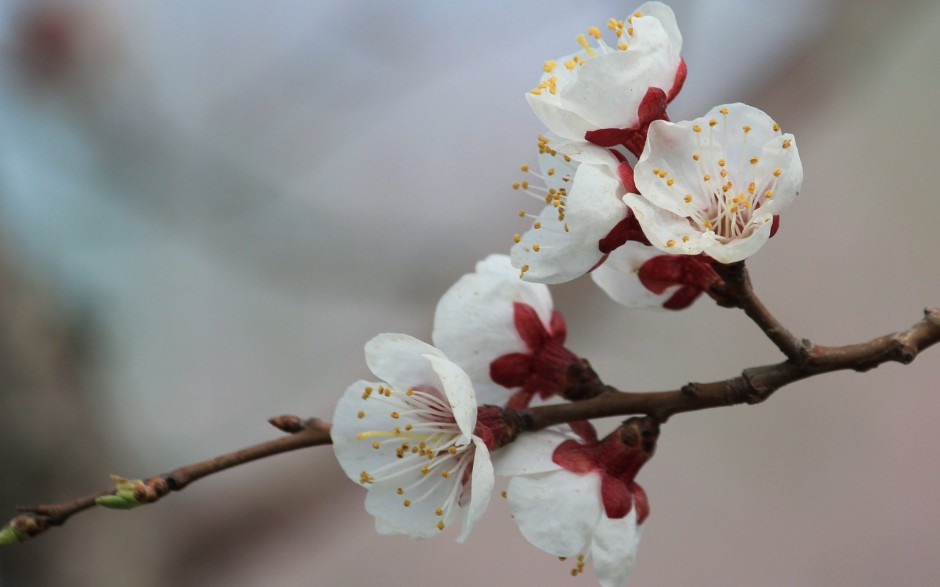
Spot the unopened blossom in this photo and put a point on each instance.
(580, 500)
(713, 185)
(583, 216)
(610, 92)
(638, 275)
(506, 335)
(412, 440)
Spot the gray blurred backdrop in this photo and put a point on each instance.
(208, 207)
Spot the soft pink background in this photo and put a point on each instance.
(236, 196)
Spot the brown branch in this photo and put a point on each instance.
(738, 284)
(752, 386)
(38, 518)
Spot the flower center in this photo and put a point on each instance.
(429, 448)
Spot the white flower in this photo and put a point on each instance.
(410, 440)
(583, 210)
(579, 499)
(714, 184)
(504, 333)
(603, 87)
(638, 275)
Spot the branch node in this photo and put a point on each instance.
(690, 390)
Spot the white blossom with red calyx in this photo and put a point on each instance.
(413, 440)
(581, 499)
(714, 185)
(609, 94)
(638, 275)
(505, 334)
(584, 216)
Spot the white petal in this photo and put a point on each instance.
(354, 455)
(662, 227)
(561, 120)
(556, 511)
(618, 277)
(482, 481)
(459, 392)
(614, 549)
(399, 360)
(473, 322)
(530, 453)
(741, 248)
(666, 18)
(419, 520)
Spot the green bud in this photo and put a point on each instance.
(123, 497)
(10, 535)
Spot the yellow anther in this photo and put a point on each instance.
(408, 427)
(663, 173)
(566, 227)
(523, 168)
(536, 225)
(612, 23)
(706, 177)
(722, 162)
(769, 194)
(400, 490)
(670, 182)
(440, 525)
(365, 477)
(687, 198)
(425, 470)
(452, 450)
(571, 64)
(549, 65)
(395, 415)
(594, 32)
(738, 199)
(622, 45)
(551, 171)
(445, 474)
(503, 493)
(670, 243)
(685, 239)
(536, 247)
(516, 237)
(754, 160)
(376, 444)
(712, 122)
(397, 431)
(523, 270)
(746, 129)
(776, 127)
(656, 170)
(521, 213)
(583, 42)
(747, 203)
(567, 159)
(536, 91)
(388, 392)
(708, 224)
(515, 185)
(697, 128)
(525, 185)
(723, 110)
(366, 393)
(439, 511)
(406, 503)
(723, 173)
(750, 188)
(361, 415)
(630, 31)
(786, 144)
(695, 156)
(638, 14)
(777, 172)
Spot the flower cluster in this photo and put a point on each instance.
(649, 207)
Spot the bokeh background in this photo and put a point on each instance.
(206, 208)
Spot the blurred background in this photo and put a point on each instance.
(207, 208)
